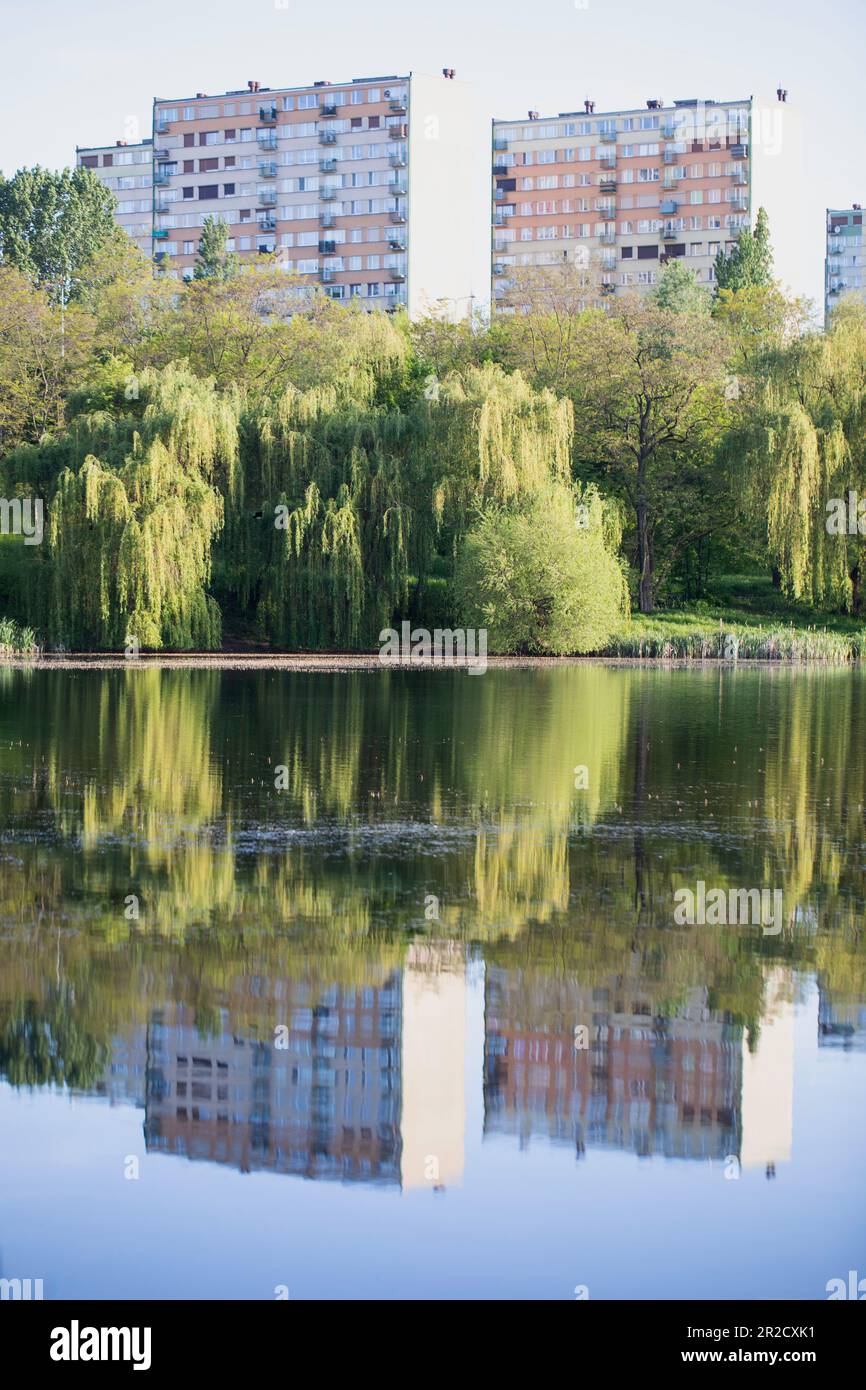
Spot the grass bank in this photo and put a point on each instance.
(750, 619)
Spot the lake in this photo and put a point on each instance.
(374, 984)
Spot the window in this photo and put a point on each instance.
(207, 191)
(90, 161)
(307, 100)
(626, 252)
(188, 139)
(189, 192)
(206, 166)
(188, 248)
(228, 190)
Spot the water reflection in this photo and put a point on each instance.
(278, 979)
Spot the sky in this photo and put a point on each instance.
(85, 72)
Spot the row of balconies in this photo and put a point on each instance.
(329, 276)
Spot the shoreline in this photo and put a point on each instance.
(346, 662)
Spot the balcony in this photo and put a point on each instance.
(835, 248)
(499, 219)
(327, 137)
(267, 139)
(607, 183)
(267, 171)
(326, 275)
(327, 194)
(162, 125)
(608, 213)
(327, 110)
(159, 256)
(607, 137)
(398, 106)
(499, 268)
(398, 217)
(499, 195)
(608, 237)
(327, 220)
(668, 207)
(268, 115)
(397, 189)
(740, 178)
(267, 224)
(397, 161)
(500, 170)
(608, 161)
(669, 182)
(397, 274)
(160, 233)
(327, 248)
(608, 287)
(669, 156)
(161, 205)
(668, 131)
(266, 197)
(161, 177)
(395, 244)
(500, 145)
(837, 286)
(739, 202)
(669, 232)
(608, 262)
(161, 155)
(739, 151)
(328, 166)
(396, 130)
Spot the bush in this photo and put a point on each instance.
(543, 579)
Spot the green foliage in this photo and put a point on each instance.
(51, 224)
(214, 261)
(543, 579)
(677, 289)
(750, 262)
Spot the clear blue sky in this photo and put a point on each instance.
(102, 63)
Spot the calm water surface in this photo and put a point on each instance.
(370, 984)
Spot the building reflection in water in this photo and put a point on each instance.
(370, 1085)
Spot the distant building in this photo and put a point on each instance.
(127, 170)
(622, 193)
(843, 263)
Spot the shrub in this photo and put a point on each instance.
(543, 578)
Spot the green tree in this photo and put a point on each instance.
(750, 262)
(51, 225)
(43, 354)
(544, 577)
(677, 289)
(214, 261)
(649, 400)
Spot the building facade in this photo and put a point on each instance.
(621, 194)
(363, 188)
(843, 262)
(127, 170)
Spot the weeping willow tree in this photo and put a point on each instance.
(134, 503)
(801, 450)
(347, 499)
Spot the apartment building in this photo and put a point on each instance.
(363, 188)
(843, 262)
(127, 170)
(621, 194)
